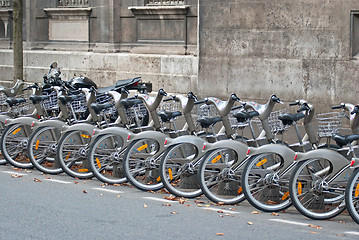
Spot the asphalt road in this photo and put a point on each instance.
(36, 206)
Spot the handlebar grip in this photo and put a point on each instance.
(236, 107)
(356, 110)
(293, 103)
(337, 107)
(200, 102)
(169, 99)
(303, 108)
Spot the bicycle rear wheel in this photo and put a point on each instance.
(14, 142)
(105, 159)
(178, 170)
(218, 180)
(71, 153)
(352, 196)
(42, 149)
(141, 164)
(2, 159)
(263, 184)
(312, 194)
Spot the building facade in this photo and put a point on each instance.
(294, 49)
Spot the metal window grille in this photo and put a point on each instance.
(165, 2)
(72, 3)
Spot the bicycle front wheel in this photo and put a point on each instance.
(220, 177)
(263, 184)
(42, 149)
(71, 153)
(178, 170)
(311, 192)
(141, 164)
(352, 196)
(105, 159)
(14, 142)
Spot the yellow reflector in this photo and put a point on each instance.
(299, 188)
(170, 173)
(142, 147)
(216, 158)
(285, 196)
(357, 191)
(98, 163)
(68, 155)
(240, 190)
(85, 136)
(16, 131)
(158, 179)
(83, 170)
(37, 144)
(261, 162)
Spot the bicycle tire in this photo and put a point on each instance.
(352, 196)
(71, 153)
(178, 174)
(42, 149)
(105, 159)
(218, 181)
(2, 159)
(141, 166)
(307, 195)
(14, 145)
(263, 185)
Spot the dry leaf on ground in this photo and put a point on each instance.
(37, 180)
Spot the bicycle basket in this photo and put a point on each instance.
(328, 123)
(51, 103)
(276, 125)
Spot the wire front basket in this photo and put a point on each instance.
(23, 108)
(328, 123)
(275, 124)
(52, 102)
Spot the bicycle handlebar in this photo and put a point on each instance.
(200, 101)
(294, 103)
(236, 107)
(169, 99)
(356, 109)
(337, 106)
(35, 85)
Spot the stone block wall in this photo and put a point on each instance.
(295, 49)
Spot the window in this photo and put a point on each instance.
(354, 32)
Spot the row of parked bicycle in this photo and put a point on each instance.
(118, 136)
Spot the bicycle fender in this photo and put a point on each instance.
(159, 136)
(238, 147)
(21, 120)
(198, 142)
(3, 118)
(112, 130)
(338, 161)
(49, 123)
(79, 127)
(287, 154)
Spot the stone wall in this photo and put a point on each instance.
(295, 49)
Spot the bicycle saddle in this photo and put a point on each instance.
(167, 116)
(242, 116)
(344, 140)
(289, 118)
(129, 102)
(206, 122)
(15, 101)
(65, 99)
(98, 107)
(35, 99)
(118, 85)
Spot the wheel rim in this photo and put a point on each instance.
(42, 149)
(14, 145)
(106, 159)
(314, 196)
(142, 164)
(264, 186)
(220, 182)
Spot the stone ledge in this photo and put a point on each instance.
(159, 10)
(57, 13)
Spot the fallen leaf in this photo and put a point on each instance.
(250, 223)
(101, 194)
(167, 205)
(171, 198)
(28, 171)
(182, 201)
(84, 181)
(220, 203)
(316, 227)
(313, 232)
(145, 206)
(275, 214)
(37, 180)
(220, 234)
(342, 221)
(220, 211)
(198, 201)
(84, 191)
(48, 178)
(340, 235)
(16, 176)
(232, 209)
(256, 212)
(118, 196)
(76, 182)
(221, 216)
(187, 205)
(174, 212)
